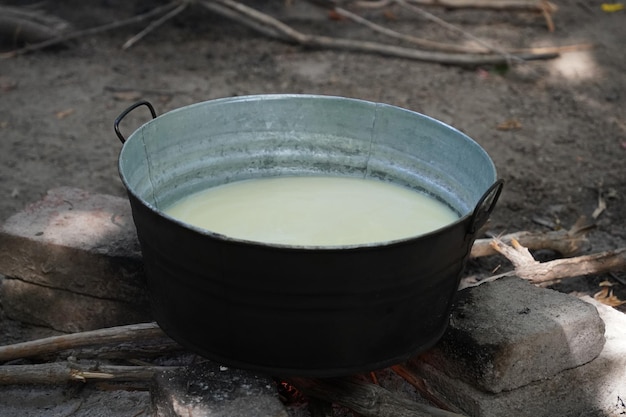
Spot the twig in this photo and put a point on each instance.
(548, 273)
(29, 24)
(407, 38)
(543, 6)
(254, 19)
(509, 58)
(53, 344)
(420, 385)
(169, 15)
(367, 399)
(528, 5)
(566, 242)
(256, 25)
(62, 372)
(88, 32)
(274, 28)
(283, 30)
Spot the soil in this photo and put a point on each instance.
(555, 128)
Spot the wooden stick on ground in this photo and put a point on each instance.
(29, 25)
(367, 399)
(273, 27)
(566, 242)
(53, 344)
(63, 372)
(548, 273)
(166, 8)
(261, 21)
(420, 385)
(521, 5)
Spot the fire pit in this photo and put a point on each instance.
(302, 309)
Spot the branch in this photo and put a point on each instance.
(29, 25)
(566, 242)
(277, 29)
(169, 15)
(54, 344)
(441, 22)
(367, 399)
(92, 31)
(420, 385)
(528, 5)
(63, 372)
(548, 273)
(425, 43)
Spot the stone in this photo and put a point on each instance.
(65, 311)
(594, 389)
(509, 333)
(84, 246)
(209, 389)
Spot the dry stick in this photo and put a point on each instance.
(420, 385)
(567, 243)
(62, 372)
(452, 47)
(249, 14)
(169, 15)
(29, 25)
(544, 6)
(366, 399)
(548, 273)
(509, 58)
(536, 6)
(87, 32)
(407, 38)
(246, 21)
(286, 32)
(53, 344)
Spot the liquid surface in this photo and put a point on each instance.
(316, 211)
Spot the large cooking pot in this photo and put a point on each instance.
(302, 310)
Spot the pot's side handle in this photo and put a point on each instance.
(485, 206)
(116, 124)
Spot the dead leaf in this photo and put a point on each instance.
(511, 124)
(64, 113)
(333, 15)
(606, 296)
(389, 15)
(611, 7)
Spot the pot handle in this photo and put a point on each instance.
(485, 206)
(119, 118)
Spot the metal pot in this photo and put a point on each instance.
(302, 310)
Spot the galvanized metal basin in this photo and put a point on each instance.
(302, 310)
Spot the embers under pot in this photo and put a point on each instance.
(302, 310)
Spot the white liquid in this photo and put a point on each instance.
(317, 211)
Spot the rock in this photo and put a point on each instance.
(509, 333)
(83, 248)
(209, 389)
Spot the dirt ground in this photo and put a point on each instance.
(564, 149)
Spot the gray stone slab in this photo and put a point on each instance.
(209, 389)
(62, 401)
(74, 263)
(65, 311)
(509, 333)
(74, 240)
(595, 389)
